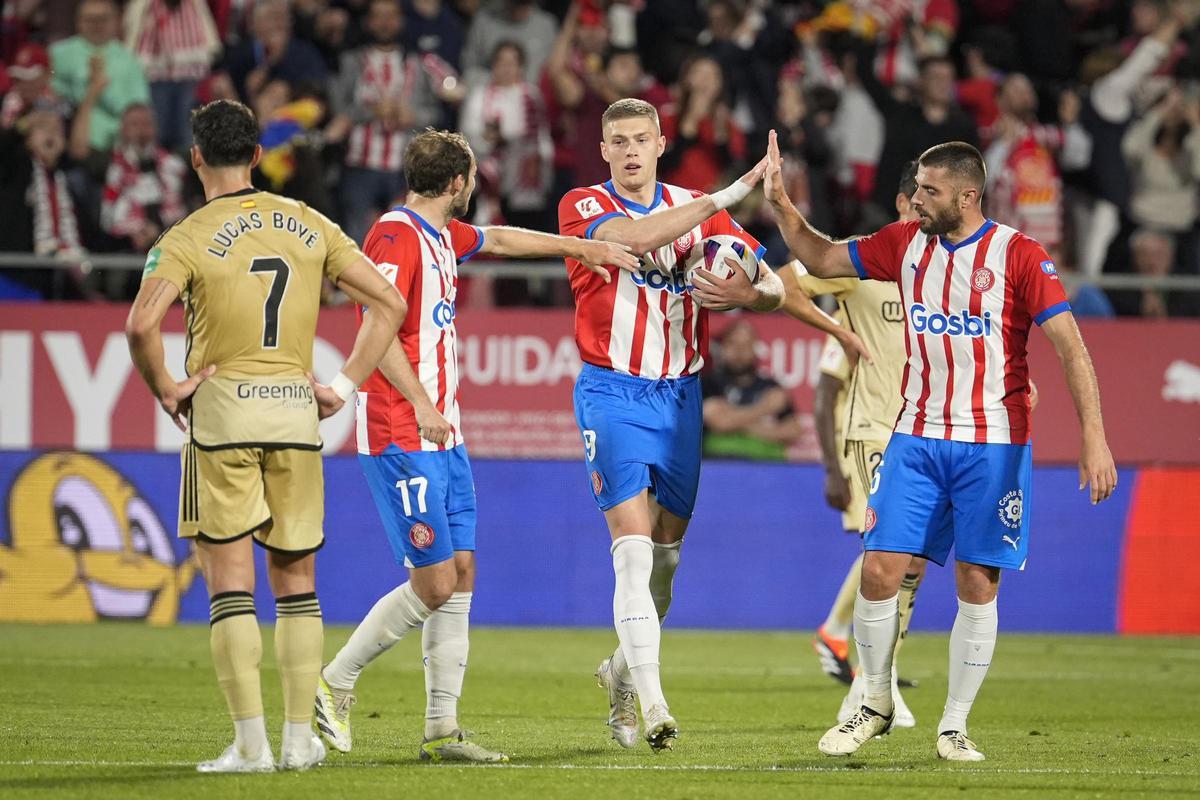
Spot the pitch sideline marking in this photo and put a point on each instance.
(637, 767)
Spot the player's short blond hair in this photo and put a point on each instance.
(629, 108)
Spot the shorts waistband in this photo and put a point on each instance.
(612, 376)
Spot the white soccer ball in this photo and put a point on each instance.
(720, 254)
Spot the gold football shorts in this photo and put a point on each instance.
(277, 495)
(861, 461)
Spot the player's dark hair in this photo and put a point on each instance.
(226, 133)
(908, 180)
(434, 159)
(959, 159)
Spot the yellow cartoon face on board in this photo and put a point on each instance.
(85, 545)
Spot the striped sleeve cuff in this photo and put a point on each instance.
(598, 221)
(467, 256)
(856, 260)
(1052, 311)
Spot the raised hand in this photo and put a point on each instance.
(773, 177)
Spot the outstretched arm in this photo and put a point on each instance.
(654, 230)
(821, 255)
(1095, 461)
(522, 243)
(798, 304)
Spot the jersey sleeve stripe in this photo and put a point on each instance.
(856, 260)
(467, 256)
(1052, 311)
(599, 221)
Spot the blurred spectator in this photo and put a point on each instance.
(667, 31)
(1153, 254)
(508, 21)
(912, 126)
(978, 88)
(380, 94)
(703, 141)
(626, 78)
(291, 160)
(1023, 163)
(143, 186)
(35, 201)
(577, 93)
(1085, 300)
(96, 47)
(433, 27)
(746, 414)
(1162, 150)
(1106, 116)
(30, 74)
(327, 26)
(176, 42)
(748, 41)
(506, 125)
(272, 54)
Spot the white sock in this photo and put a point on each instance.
(250, 735)
(662, 578)
(634, 615)
(394, 615)
(972, 642)
(296, 735)
(876, 628)
(444, 645)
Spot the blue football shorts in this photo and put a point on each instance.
(931, 494)
(640, 433)
(426, 500)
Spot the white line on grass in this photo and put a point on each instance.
(858, 767)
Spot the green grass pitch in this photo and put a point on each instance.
(125, 711)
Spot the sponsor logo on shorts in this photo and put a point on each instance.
(982, 279)
(870, 520)
(1012, 506)
(597, 482)
(421, 535)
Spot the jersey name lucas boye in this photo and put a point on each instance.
(968, 309)
(646, 323)
(422, 262)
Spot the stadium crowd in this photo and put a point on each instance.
(1087, 111)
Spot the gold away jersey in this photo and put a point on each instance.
(249, 266)
(871, 309)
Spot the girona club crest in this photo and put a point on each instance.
(421, 535)
(683, 246)
(597, 482)
(870, 520)
(982, 279)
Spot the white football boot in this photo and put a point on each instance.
(301, 754)
(863, 725)
(955, 746)
(661, 728)
(622, 706)
(854, 700)
(332, 715)
(233, 760)
(458, 747)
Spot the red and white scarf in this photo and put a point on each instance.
(55, 229)
(128, 191)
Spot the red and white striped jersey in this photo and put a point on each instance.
(644, 323)
(387, 76)
(422, 262)
(968, 309)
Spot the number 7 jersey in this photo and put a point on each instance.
(249, 266)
